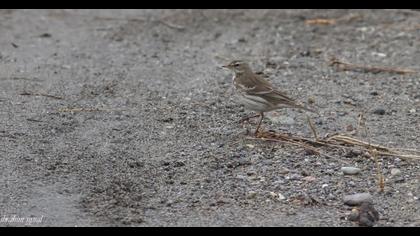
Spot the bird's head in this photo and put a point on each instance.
(238, 66)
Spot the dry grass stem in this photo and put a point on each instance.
(344, 66)
(79, 110)
(312, 127)
(41, 94)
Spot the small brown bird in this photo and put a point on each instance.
(257, 94)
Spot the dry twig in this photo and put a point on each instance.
(337, 141)
(41, 94)
(326, 21)
(372, 69)
(79, 109)
(320, 21)
(312, 127)
(172, 25)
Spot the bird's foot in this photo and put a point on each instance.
(259, 133)
(241, 121)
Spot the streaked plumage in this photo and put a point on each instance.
(256, 93)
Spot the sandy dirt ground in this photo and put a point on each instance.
(125, 118)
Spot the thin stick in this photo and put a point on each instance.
(33, 120)
(361, 122)
(41, 94)
(373, 69)
(404, 156)
(79, 109)
(386, 151)
(320, 21)
(354, 141)
(331, 21)
(117, 19)
(408, 150)
(381, 181)
(312, 127)
(171, 25)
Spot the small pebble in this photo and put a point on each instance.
(306, 53)
(283, 171)
(379, 111)
(305, 173)
(250, 146)
(45, 35)
(331, 196)
(378, 54)
(399, 179)
(242, 40)
(309, 178)
(342, 113)
(294, 177)
(273, 194)
(251, 194)
(281, 197)
(395, 172)
(357, 199)
(347, 170)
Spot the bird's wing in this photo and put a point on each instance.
(263, 87)
(265, 90)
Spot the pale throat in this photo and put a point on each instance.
(235, 76)
(234, 80)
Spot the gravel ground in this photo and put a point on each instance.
(124, 117)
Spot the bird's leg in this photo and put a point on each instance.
(259, 123)
(248, 118)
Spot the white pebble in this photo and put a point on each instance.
(350, 170)
(281, 197)
(395, 172)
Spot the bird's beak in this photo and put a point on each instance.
(225, 66)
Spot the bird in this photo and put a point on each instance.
(257, 94)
